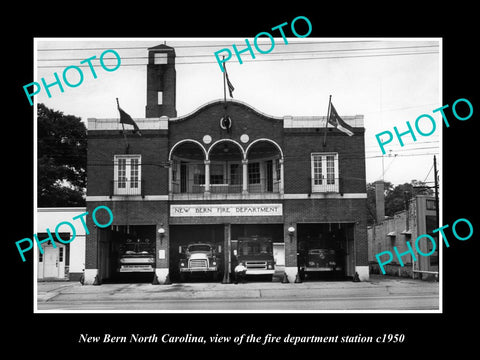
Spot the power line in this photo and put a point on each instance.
(428, 173)
(271, 60)
(273, 53)
(209, 45)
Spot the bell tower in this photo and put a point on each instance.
(161, 80)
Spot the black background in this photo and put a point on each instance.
(425, 333)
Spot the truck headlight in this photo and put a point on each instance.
(214, 263)
(269, 266)
(182, 264)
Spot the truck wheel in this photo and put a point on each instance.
(183, 278)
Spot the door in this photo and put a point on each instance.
(50, 262)
(127, 175)
(183, 177)
(269, 175)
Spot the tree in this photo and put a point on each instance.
(394, 197)
(62, 158)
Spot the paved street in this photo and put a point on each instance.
(380, 293)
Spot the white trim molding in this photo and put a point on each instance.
(326, 196)
(127, 198)
(250, 196)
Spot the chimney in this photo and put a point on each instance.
(380, 200)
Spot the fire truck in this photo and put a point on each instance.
(256, 253)
(136, 256)
(199, 259)
(321, 260)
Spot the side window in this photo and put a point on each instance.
(325, 176)
(127, 175)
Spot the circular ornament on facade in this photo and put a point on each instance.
(244, 138)
(226, 122)
(207, 139)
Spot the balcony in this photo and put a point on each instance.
(127, 188)
(326, 185)
(225, 170)
(262, 186)
(191, 187)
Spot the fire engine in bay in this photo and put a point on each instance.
(256, 253)
(320, 260)
(136, 256)
(199, 259)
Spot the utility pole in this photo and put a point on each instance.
(435, 187)
(437, 208)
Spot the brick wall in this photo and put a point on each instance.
(104, 145)
(300, 143)
(297, 145)
(244, 121)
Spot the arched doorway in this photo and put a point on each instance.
(225, 167)
(187, 161)
(264, 167)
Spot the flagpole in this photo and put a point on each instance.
(225, 94)
(123, 131)
(326, 122)
(224, 83)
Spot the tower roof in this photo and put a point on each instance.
(162, 47)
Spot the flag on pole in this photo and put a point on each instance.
(338, 122)
(229, 84)
(127, 119)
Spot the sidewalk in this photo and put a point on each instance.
(377, 285)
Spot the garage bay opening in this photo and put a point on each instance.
(325, 251)
(196, 253)
(260, 247)
(127, 253)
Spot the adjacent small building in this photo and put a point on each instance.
(394, 231)
(62, 261)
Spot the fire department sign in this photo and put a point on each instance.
(226, 210)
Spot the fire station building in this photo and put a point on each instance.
(224, 171)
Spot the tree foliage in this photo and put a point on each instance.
(62, 158)
(394, 197)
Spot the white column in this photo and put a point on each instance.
(207, 176)
(170, 177)
(281, 184)
(244, 176)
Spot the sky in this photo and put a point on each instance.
(389, 81)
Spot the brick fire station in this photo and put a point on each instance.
(220, 173)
